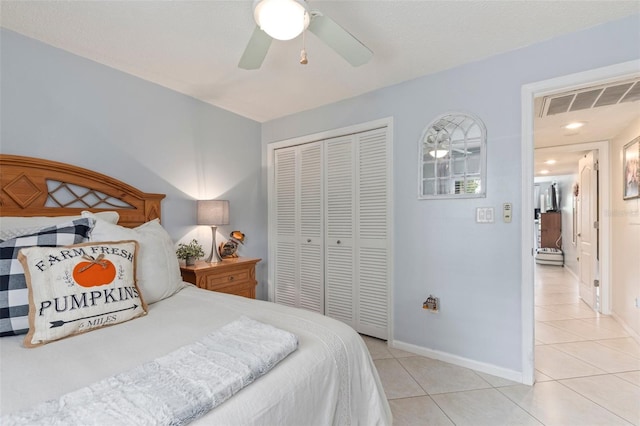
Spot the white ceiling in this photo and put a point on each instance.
(555, 143)
(193, 47)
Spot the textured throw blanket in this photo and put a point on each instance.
(174, 389)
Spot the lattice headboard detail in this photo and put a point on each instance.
(36, 187)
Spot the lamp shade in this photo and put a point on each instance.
(213, 212)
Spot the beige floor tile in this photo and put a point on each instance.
(560, 365)
(397, 383)
(632, 377)
(496, 381)
(482, 407)
(548, 334)
(624, 344)
(606, 322)
(418, 411)
(586, 330)
(437, 377)
(554, 404)
(576, 310)
(542, 377)
(612, 393)
(607, 359)
(544, 314)
(399, 353)
(555, 299)
(378, 349)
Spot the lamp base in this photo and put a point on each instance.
(214, 257)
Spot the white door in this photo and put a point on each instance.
(299, 264)
(311, 256)
(587, 229)
(340, 274)
(373, 233)
(286, 287)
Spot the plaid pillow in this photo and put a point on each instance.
(14, 296)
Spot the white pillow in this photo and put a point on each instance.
(16, 226)
(158, 271)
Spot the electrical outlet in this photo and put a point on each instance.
(432, 304)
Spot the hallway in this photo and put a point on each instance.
(579, 351)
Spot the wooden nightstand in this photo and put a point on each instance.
(234, 276)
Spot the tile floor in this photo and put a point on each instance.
(587, 372)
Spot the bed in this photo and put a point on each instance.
(329, 379)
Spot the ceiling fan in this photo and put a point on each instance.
(286, 20)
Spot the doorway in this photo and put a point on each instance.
(529, 93)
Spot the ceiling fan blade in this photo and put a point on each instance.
(256, 50)
(339, 39)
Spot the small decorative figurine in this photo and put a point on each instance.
(229, 249)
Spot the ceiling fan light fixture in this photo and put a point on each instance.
(281, 19)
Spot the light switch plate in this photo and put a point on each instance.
(484, 215)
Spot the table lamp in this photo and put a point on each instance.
(213, 213)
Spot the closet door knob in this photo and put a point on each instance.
(339, 241)
(308, 240)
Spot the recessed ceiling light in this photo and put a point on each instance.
(550, 162)
(574, 125)
(544, 172)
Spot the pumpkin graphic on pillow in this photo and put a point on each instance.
(94, 272)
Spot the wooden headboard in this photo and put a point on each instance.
(36, 187)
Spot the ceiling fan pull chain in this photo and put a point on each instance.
(303, 52)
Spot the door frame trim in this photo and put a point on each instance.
(528, 93)
(328, 134)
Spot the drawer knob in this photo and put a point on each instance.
(231, 278)
(308, 240)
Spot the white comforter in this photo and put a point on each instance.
(330, 379)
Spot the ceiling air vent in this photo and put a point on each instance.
(591, 97)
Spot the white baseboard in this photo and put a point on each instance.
(634, 334)
(572, 272)
(482, 367)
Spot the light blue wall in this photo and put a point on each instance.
(474, 269)
(59, 106)
(62, 107)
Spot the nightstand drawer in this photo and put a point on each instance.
(234, 277)
(245, 289)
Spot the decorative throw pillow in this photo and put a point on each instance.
(158, 269)
(80, 288)
(12, 227)
(14, 300)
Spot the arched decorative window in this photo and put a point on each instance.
(453, 157)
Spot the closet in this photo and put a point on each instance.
(330, 222)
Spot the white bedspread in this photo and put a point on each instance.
(330, 379)
(174, 389)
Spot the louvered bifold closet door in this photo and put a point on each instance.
(286, 253)
(311, 248)
(372, 216)
(339, 234)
